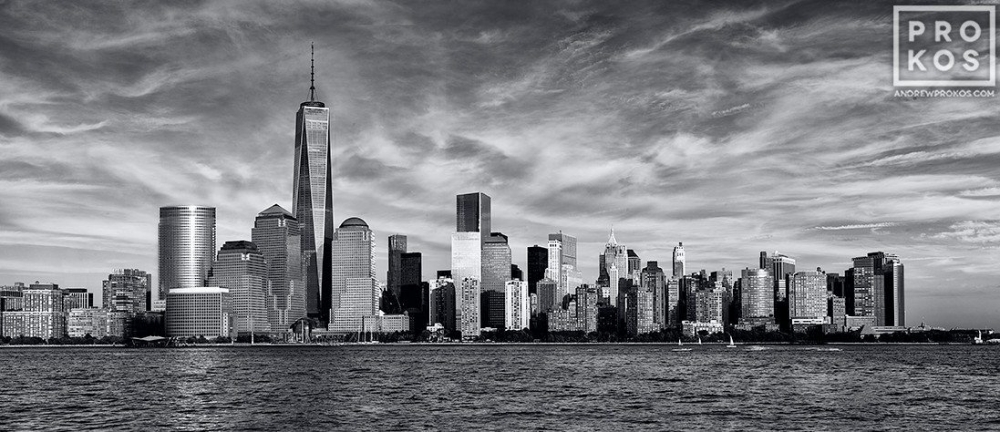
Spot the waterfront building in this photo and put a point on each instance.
(496, 273)
(757, 297)
(639, 311)
(386, 323)
(863, 288)
(10, 297)
(652, 277)
(708, 305)
(199, 311)
(312, 200)
(673, 311)
(679, 261)
(538, 261)
(42, 313)
(127, 290)
(516, 304)
(694, 328)
(411, 276)
(562, 258)
(887, 285)
(807, 296)
(77, 298)
(81, 322)
(394, 276)
(468, 316)
(355, 292)
(241, 268)
(441, 303)
(277, 236)
(580, 312)
(186, 247)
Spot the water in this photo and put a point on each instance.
(536, 387)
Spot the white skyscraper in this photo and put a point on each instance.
(517, 306)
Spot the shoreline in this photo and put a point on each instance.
(481, 344)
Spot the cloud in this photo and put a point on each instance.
(855, 226)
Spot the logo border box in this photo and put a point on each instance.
(896, 82)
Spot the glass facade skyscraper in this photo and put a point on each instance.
(312, 200)
(394, 276)
(276, 234)
(679, 261)
(538, 261)
(355, 293)
(496, 273)
(241, 268)
(186, 246)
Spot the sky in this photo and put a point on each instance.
(732, 127)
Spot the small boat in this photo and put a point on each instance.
(756, 348)
(681, 349)
(828, 349)
(731, 343)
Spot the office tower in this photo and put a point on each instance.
(496, 273)
(562, 253)
(411, 275)
(277, 236)
(892, 275)
(186, 247)
(354, 290)
(441, 303)
(472, 226)
(639, 311)
(517, 309)
(393, 279)
(125, 291)
(199, 311)
(548, 295)
(580, 312)
(673, 311)
(763, 261)
(538, 261)
(42, 313)
(780, 266)
(444, 274)
(241, 268)
(473, 213)
(807, 298)
(708, 305)
(468, 316)
(634, 265)
(516, 273)
(312, 199)
(863, 285)
(679, 260)
(614, 266)
(849, 290)
(653, 278)
(77, 298)
(757, 297)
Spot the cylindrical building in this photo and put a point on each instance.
(186, 247)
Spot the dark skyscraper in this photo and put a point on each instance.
(276, 234)
(186, 246)
(394, 276)
(312, 199)
(538, 261)
(473, 213)
(411, 275)
(516, 273)
(887, 288)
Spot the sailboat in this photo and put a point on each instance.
(679, 343)
(731, 343)
(699, 339)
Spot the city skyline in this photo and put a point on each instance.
(805, 152)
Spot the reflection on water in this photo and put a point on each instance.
(497, 386)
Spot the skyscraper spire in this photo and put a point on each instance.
(312, 72)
